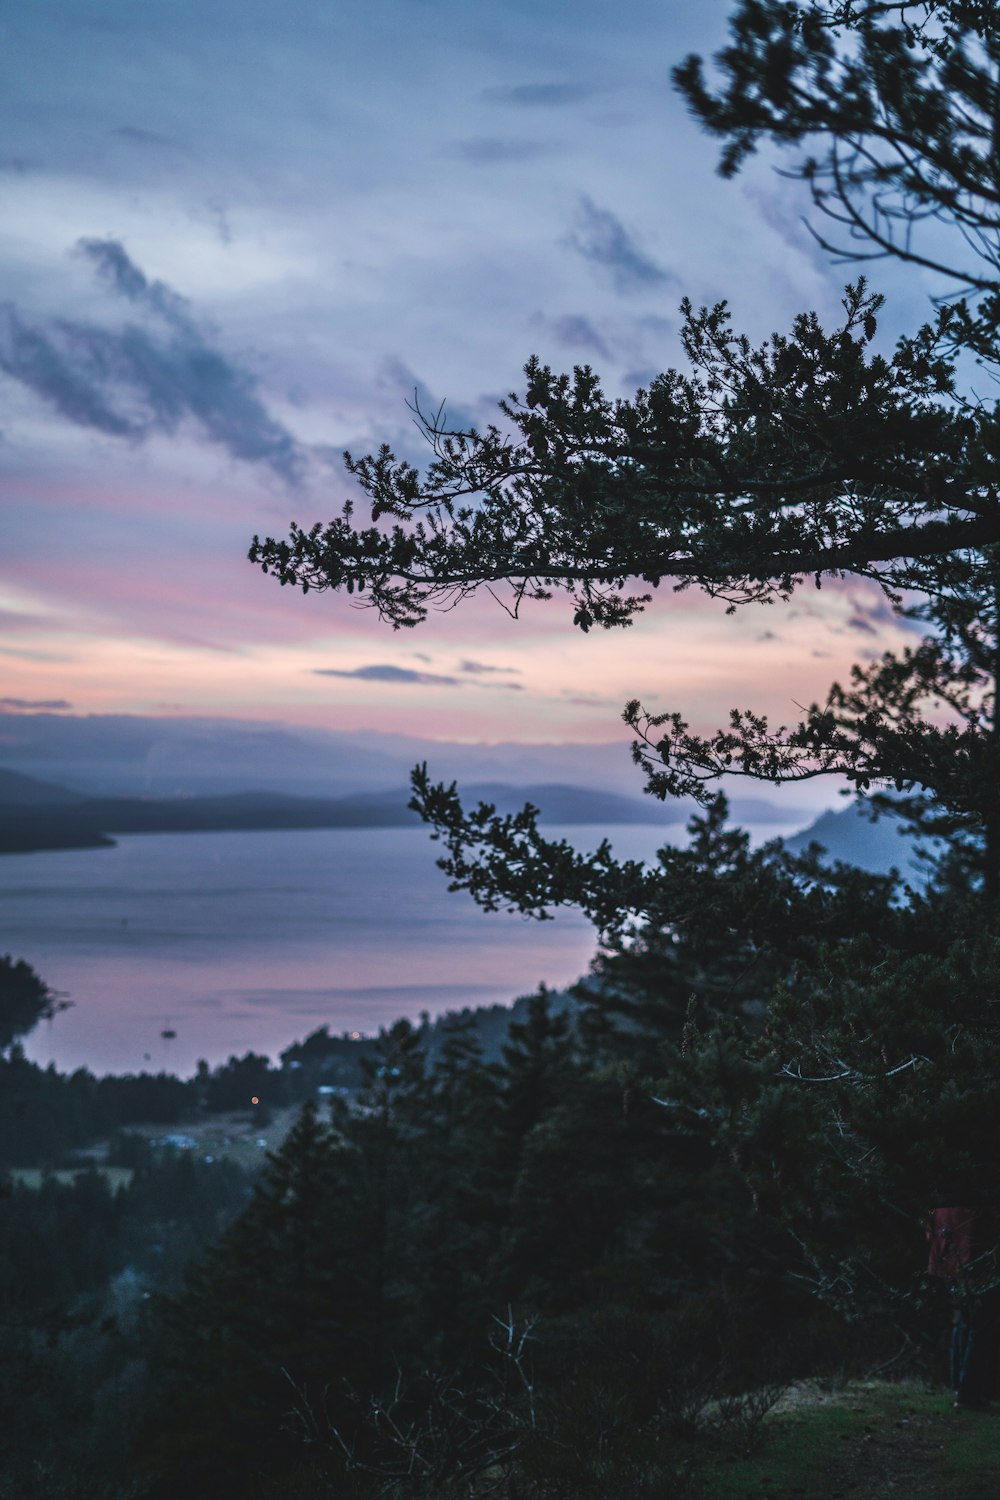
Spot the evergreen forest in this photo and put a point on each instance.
(553, 1263)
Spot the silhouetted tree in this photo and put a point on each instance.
(284, 1301)
(808, 455)
(25, 999)
(811, 454)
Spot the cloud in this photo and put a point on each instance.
(578, 332)
(641, 379)
(133, 382)
(29, 356)
(136, 136)
(33, 705)
(386, 673)
(602, 239)
(112, 263)
(408, 676)
(868, 611)
(542, 95)
(487, 151)
(395, 375)
(480, 668)
(778, 206)
(871, 613)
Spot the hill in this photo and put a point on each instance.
(20, 791)
(38, 815)
(851, 837)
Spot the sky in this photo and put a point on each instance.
(236, 238)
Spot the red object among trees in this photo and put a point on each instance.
(952, 1234)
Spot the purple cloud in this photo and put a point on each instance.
(578, 332)
(487, 151)
(479, 668)
(378, 672)
(543, 95)
(113, 264)
(602, 239)
(133, 383)
(33, 705)
(136, 136)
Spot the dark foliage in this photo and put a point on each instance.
(44, 1114)
(25, 999)
(534, 1271)
(79, 1261)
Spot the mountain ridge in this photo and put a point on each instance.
(117, 755)
(50, 817)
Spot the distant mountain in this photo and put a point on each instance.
(40, 815)
(18, 790)
(132, 756)
(118, 755)
(69, 781)
(49, 817)
(36, 814)
(851, 837)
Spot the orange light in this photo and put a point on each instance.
(255, 1100)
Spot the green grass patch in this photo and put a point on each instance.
(871, 1439)
(973, 1456)
(794, 1446)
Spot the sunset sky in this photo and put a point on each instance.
(236, 237)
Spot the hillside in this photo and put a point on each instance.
(851, 837)
(38, 815)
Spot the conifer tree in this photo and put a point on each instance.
(25, 999)
(872, 1065)
(809, 455)
(282, 1306)
(462, 1194)
(538, 1066)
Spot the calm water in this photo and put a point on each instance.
(251, 940)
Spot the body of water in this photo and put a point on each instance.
(251, 940)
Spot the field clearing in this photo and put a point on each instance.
(236, 1137)
(33, 1177)
(872, 1439)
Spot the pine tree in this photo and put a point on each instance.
(461, 1198)
(870, 1069)
(280, 1312)
(25, 999)
(809, 455)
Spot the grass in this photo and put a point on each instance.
(872, 1439)
(236, 1137)
(33, 1177)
